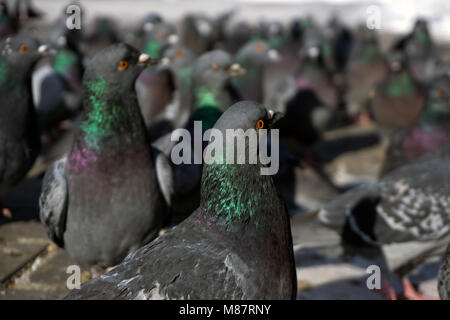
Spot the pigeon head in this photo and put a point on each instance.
(396, 62)
(21, 53)
(110, 106)
(400, 82)
(157, 37)
(118, 66)
(177, 56)
(212, 69)
(257, 53)
(247, 115)
(237, 194)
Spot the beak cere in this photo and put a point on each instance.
(165, 61)
(43, 49)
(270, 114)
(236, 70)
(172, 39)
(146, 60)
(273, 55)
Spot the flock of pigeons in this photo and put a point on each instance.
(222, 231)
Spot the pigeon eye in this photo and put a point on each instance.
(214, 67)
(440, 92)
(123, 65)
(260, 124)
(259, 48)
(23, 48)
(178, 54)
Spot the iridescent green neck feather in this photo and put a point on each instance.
(105, 115)
(400, 85)
(205, 98)
(153, 48)
(236, 195)
(63, 61)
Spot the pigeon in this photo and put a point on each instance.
(311, 73)
(398, 99)
(210, 74)
(274, 34)
(101, 33)
(418, 48)
(24, 10)
(365, 69)
(156, 85)
(431, 130)
(238, 34)
(8, 24)
(342, 43)
(253, 57)
(59, 82)
(176, 66)
(236, 245)
(410, 205)
(444, 276)
(106, 185)
(157, 37)
(180, 183)
(19, 134)
(197, 33)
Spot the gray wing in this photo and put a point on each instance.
(179, 183)
(53, 201)
(394, 157)
(444, 276)
(183, 263)
(412, 204)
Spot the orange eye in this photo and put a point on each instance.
(214, 67)
(178, 54)
(260, 124)
(259, 47)
(123, 65)
(440, 92)
(23, 48)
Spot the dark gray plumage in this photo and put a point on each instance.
(444, 276)
(102, 200)
(236, 245)
(406, 213)
(411, 204)
(19, 136)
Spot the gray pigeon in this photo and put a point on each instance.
(19, 136)
(254, 56)
(236, 245)
(410, 205)
(102, 200)
(210, 75)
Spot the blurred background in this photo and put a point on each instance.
(300, 31)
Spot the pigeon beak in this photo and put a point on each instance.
(273, 55)
(145, 60)
(273, 117)
(173, 38)
(165, 61)
(235, 70)
(45, 50)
